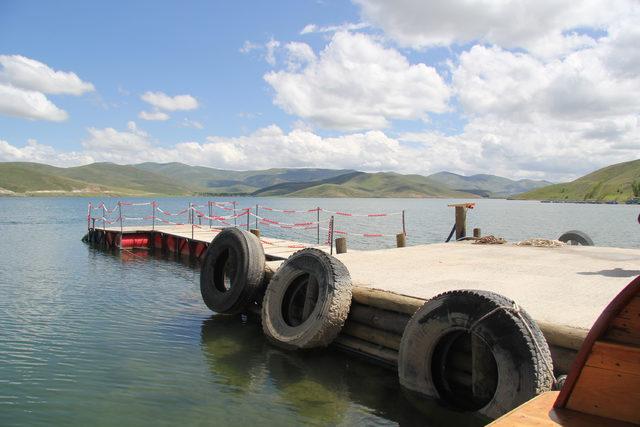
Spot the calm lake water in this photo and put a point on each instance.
(94, 338)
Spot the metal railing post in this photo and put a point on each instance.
(153, 215)
(235, 220)
(104, 216)
(89, 210)
(210, 213)
(404, 228)
(256, 216)
(121, 222)
(248, 210)
(331, 234)
(318, 219)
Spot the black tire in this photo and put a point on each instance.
(232, 273)
(517, 367)
(576, 237)
(307, 301)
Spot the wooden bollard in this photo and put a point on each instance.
(477, 233)
(401, 240)
(255, 232)
(341, 245)
(461, 218)
(461, 222)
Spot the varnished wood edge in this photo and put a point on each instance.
(597, 330)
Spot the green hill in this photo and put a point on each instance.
(225, 181)
(97, 178)
(487, 185)
(27, 177)
(361, 184)
(610, 183)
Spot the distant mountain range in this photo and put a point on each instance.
(487, 185)
(149, 179)
(607, 184)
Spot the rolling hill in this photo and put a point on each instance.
(97, 178)
(609, 183)
(361, 184)
(487, 185)
(226, 181)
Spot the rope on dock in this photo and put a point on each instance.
(490, 240)
(541, 243)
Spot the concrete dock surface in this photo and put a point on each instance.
(568, 286)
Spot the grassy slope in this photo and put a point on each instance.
(26, 178)
(362, 184)
(486, 185)
(126, 177)
(609, 183)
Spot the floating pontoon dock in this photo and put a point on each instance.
(562, 288)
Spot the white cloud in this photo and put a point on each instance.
(356, 83)
(534, 25)
(33, 75)
(153, 115)
(24, 83)
(271, 47)
(485, 145)
(349, 26)
(111, 145)
(34, 152)
(188, 123)
(28, 104)
(582, 89)
(249, 46)
(163, 101)
(298, 54)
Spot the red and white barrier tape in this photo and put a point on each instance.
(182, 212)
(370, 215)
(311, 224)
(288, 211)
(220, 218)
(346, 233)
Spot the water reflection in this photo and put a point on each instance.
(322, 387)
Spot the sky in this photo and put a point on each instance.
(543, 89)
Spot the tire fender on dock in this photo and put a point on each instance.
(475, 350)
(307, 300)
(232, 273)
(576, 237)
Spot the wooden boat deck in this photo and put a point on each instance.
(540, 412)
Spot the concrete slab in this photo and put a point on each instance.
(567, 286)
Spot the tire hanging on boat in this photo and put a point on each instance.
(576, 237)
(232, 273)
(307, 300)
(475, 350)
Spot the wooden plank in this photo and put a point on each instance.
(376, 336)
(385, 355)
(615, 357)
(539, 412)
(607, 393)
(625, 327)
(631, 310)
(623, 331)
(389, 321)
(386, 300)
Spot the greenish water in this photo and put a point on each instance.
(89, 337)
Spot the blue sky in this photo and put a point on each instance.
(415, 88)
